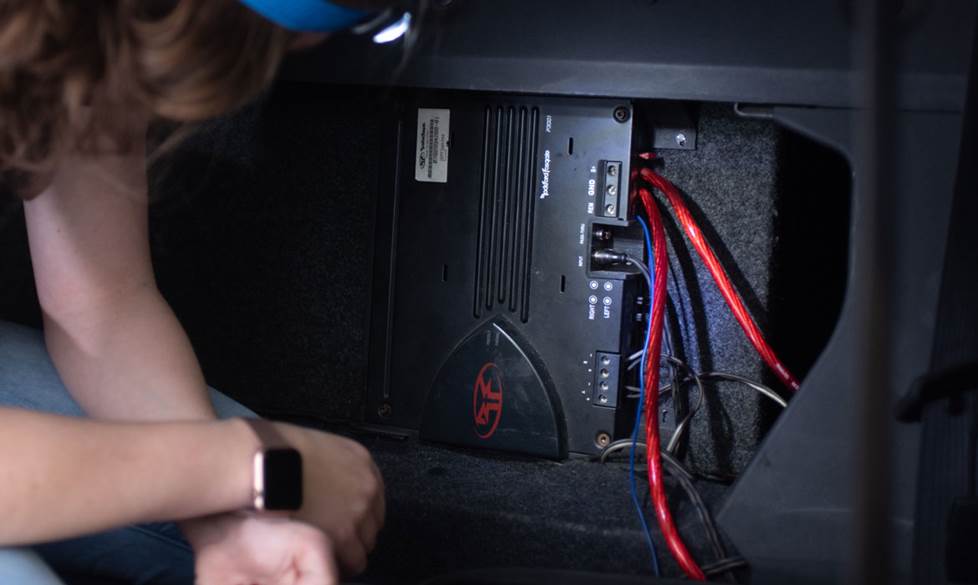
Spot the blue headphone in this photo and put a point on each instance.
(308, 15)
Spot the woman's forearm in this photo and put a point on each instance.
(114, 340)
(128, 358)
(63, 477)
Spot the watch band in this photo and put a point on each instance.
(277, 469)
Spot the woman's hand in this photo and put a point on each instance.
(343, 493)
(261, 550)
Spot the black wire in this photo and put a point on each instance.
(724, 565)
(699, 378)
(683, 411)
(761, 389)
(675, 387)
(673, 466)
(723, 376)
(647, 274)
(685, 479)
(683, 426)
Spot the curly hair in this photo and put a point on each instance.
(74, 75)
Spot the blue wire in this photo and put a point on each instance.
(648, 239)
(638, 423)
(649, 252)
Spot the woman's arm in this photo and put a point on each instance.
(124, 356)
(114, 340)
(88, 476)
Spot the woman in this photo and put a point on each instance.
(80, 84)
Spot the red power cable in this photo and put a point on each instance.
(727, 289)
(652, 356)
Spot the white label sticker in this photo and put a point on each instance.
(434, 129)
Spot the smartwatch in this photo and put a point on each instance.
(277, 482)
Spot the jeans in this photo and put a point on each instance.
(147, 554)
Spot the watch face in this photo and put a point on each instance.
(282, 479)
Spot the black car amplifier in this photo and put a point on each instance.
(491, 325)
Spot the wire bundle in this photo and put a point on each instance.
(649, 375)
(650, 382)
(719, 275)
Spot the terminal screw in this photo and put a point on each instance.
(602, 440)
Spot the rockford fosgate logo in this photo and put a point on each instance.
(545, 183)
(487, 400)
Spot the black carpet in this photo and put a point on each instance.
(452, 510)
(729, 183)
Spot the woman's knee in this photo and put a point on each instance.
(28, 378)
(24, 567)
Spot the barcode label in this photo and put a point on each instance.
(434, 130)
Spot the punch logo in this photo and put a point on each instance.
(487, 400)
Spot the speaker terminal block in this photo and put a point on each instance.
(610, 188)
